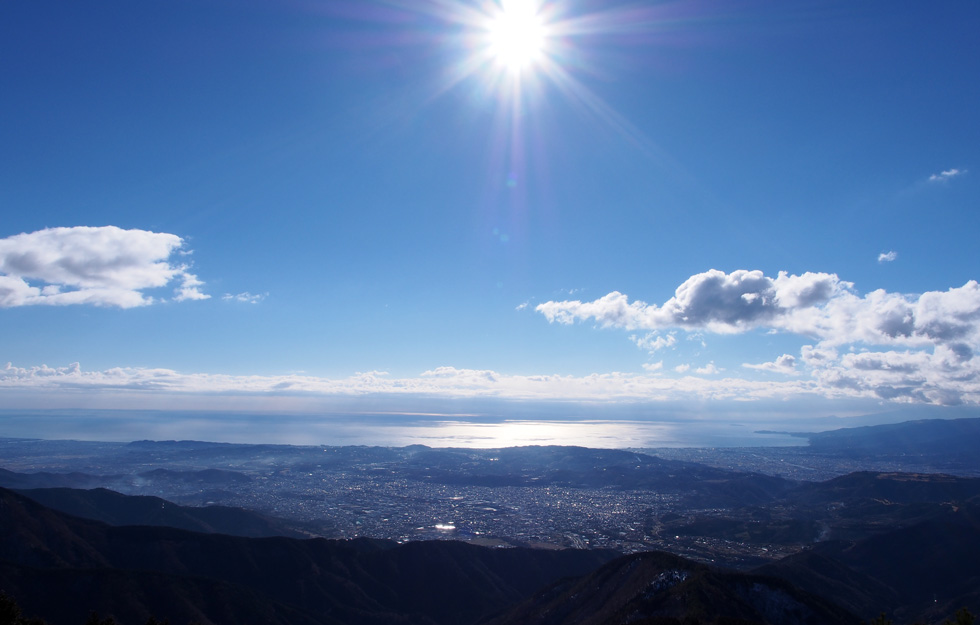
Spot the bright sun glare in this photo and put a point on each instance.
(517, 34)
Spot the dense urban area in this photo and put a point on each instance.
(479, 496)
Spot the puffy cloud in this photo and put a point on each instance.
(102, 266)
(713, 300)
(708, 369)
(612, 310)
(188, 289)
(887, 257)
(943, 376)
(946, 175)
(653, 342)
(930, 340)
(783, 364)
(819, 305)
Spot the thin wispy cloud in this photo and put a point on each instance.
(946, 175)
(245, 297)
(946, 376)
(887, 257)
(100, 266)
(442, 381)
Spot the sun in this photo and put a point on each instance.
(517, 35)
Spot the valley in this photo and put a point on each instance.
(732, 508)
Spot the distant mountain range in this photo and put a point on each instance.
(952, 438)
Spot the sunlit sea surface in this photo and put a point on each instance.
(389, 430)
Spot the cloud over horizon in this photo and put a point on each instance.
(941, 378)
(100, 266)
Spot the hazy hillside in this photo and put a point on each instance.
(114, 508)
(956, 439)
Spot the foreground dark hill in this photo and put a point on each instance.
(110, 507)
(60, 567)
(656, 587)
(922, 572)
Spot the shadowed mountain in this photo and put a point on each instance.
(60, 567)
(210, 477)
(155, 479)
(661, 588)
(898, 488)
(44, 479)
(862, 504)
(933, 565)
(828, 577)
(116, 509)
(923, 572)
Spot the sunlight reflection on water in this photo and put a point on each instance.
(389, 430)
(607, 434)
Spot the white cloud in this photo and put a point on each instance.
(653, 342)
(442, 381)
(653, 366)
(102, 266)
(915, 347)
(246, 297)
(713, 300)
(887, 257)
(943, 377)
(946, 175)
(784, 364)
(188, 289)
(814, 304)
(708, 369)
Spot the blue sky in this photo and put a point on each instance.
(219, 204)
